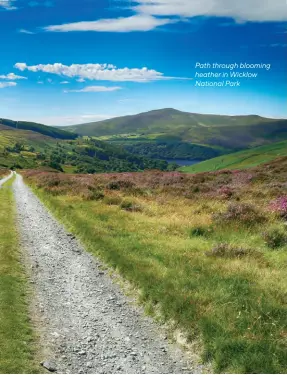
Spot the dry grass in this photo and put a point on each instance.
(235, 304)
(3, 172)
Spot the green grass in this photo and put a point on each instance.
(241, 160)
(17, 345)
(234, 307)
(8, 136)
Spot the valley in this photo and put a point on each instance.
(34, 149)
(163, 139)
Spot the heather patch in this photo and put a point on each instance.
(242, 213)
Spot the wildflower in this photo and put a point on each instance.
(279, 206)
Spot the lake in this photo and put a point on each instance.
(183, 162)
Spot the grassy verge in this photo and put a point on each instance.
(16, 337)
(214, 263)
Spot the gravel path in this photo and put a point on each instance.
(87, 324)
(3, 180)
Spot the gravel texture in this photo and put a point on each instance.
(87, 324)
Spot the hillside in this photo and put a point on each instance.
(28, 149)
(169, 133)
(242, 159)
(39, 128)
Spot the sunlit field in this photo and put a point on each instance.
(207, 252)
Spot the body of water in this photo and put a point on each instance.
(183, 162)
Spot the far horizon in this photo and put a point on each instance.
(151, 110)
(95, 61)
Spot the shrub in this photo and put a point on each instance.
(55, 165)
(136, 191)
(119, 184)
(128, 205)
(275, 238)
(225, 192)
(225, 250)
(52, 182)
(200, 231)
(90, 195)
(240, 212)
(97, 194)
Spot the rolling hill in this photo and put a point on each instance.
(242, 159)
(169, 133)
(39, 128)
(32, 149)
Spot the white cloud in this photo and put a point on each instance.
(24, 31)
(240, 10)
(99, 72)
(139, 22)
(11, 77)
(40, 82)
(96, 89)
(80, 80)
(64, 82)
(7, 4)
(150, 14)
(7, 84)
(49, 80)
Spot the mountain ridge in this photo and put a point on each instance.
(170, 111)
(169, 129)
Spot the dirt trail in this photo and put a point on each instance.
(88, 325)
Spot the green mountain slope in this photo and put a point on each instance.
(232, 132)
(242, 159)
(172, 134)
(39, 128)
(28, 149)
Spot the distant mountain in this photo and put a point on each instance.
(39, 128)
(172, 134)
(31, 149)
(242, 159)
(170, 125)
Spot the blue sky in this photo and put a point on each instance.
(65, 62)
